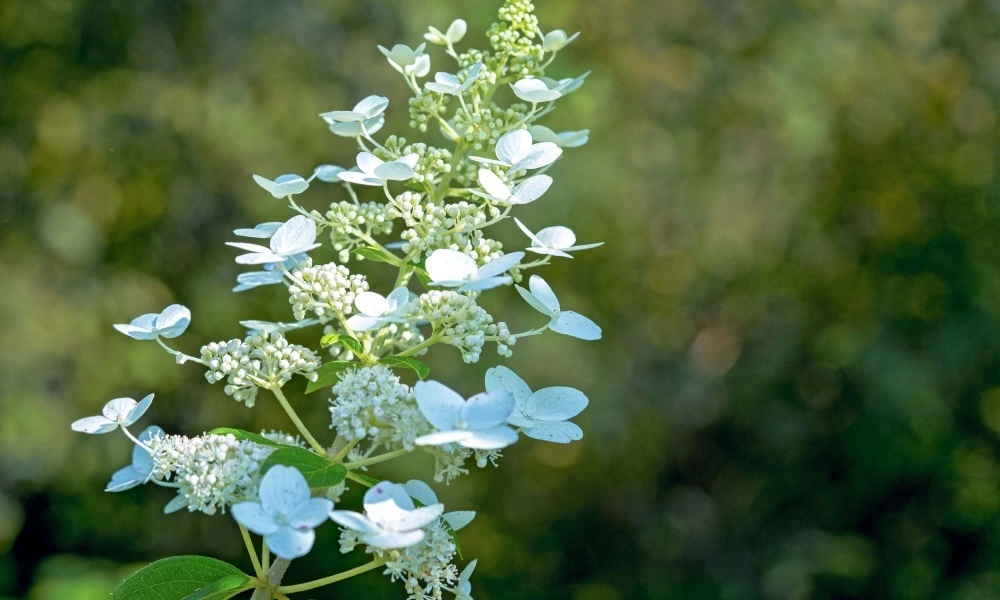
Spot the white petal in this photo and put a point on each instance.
(354, 521)
(576, 325)
(371, 304)
(450, 265)
(459, 518)
(534, 90)
(253, 516)
(372, 106)
(557, 237)
(310, 513)
(493, 185)
(439, 404)
(549, 252)
(502, 378)
(415, 519)
(499, 265)
(530, 189)
(360, 178)
(513, 146)
(178, 502)
(542, 291)
(442, 437)
(368, 162)
(256, 248)
(263, 230)
(421, 66)
(484, 284)
(487, 409)
(585, 246)
(393, 539)
(399, 298)
(173, 320)
(541, 133)
(456, 31)
(289, 185)
(420, 491)
(394, 171)
(541, 155)
(328, 173)
(298, 232)
(440, 88)
(560, 432)
(494, 438)
(283, 489)
(125, 479)
(138, 410)
(410, 160)
(118, 409)
(555, 404)
(259, 258)
(94, 425)
(534, 302)
(136, 333)
(267, 184)
(363, 322)
(534, 239)
(290, 543)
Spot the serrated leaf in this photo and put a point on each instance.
(244, 435)
(175, 578)
(344, 340)
(223, 589)
(328, 374)
(376, 254)
(319, 471)
(408, 363)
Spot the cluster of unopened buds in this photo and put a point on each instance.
(281, 486)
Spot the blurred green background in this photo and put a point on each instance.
(798, 391)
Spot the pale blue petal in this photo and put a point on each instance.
(290, 543)
(394, 171)
(541, 155)
(487, 409)
(541, 290)
(176, 504)
(576, 325)
(534, 302)
(283, 489)
(502, 378)
(513, 146)
(439, 404)
(138, 410)
(354, 521)
(125, 479)
(311, 513)
(560, 432)
(555, 404)
(420, 491)
(253, 516)
(297, 232)
(94, 425)
(530, 189)
(459, 518)
(360, 178)
(499, 265)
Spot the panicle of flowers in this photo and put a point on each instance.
(260, 360)
(325, 291)
(211, 471)
(462, 323)
(372, 404)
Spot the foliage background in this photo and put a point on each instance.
(798, 392)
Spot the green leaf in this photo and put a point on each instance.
(328, 374)
(344, 340)
(423, 277)
(364, 479)
(377, 254)
(223, 589)
(395, 362)
(244, 435)
(318, 470)
(176, 578)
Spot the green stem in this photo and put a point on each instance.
(354, 477)
(311, 585)
(340, 455)
(253, 553)
(316, 446)
(424, 344)
(376, 459)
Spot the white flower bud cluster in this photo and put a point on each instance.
(425, 568)
(324, 291)
(482, 129)
(423, 106)
(260, 359)
(285, 439)
(211, 471)
(347, 219)
(457, 226)
(514, 35)
(371, 403)
(463, 323)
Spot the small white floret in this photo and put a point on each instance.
(169, 323)
(296, 236)
(120, 412)
(451, 268)
(543, 299)
(477, 423)
(391, 520)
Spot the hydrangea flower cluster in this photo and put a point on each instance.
(425, 214)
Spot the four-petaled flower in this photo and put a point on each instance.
(446, 83)
(286, 513)
(543, 299)
(563, 139)
(120, 412)
(567, 85)
(451, 268)
(478, 423)
(516, 151)
(556, 240)
(542, 415)
(454, 34)
(406, 60)
(377, 310)
(296, 236)
(375, 171)
(285, 185)
(141, 469)
(390, 520)
(168, 324)
(529, 190)
(534, 91)
(348, 123)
